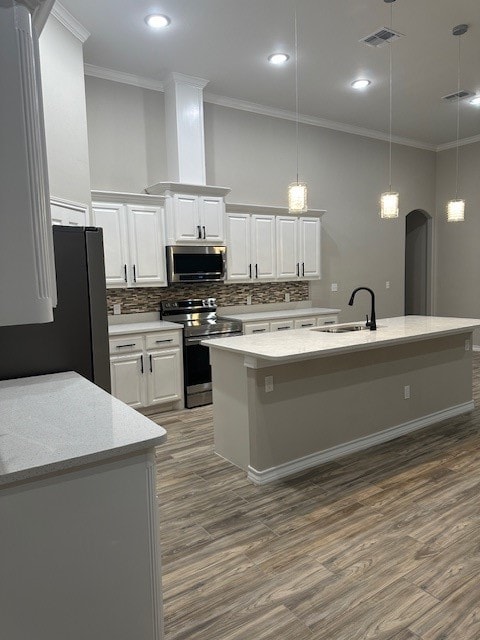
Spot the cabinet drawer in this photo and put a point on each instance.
(304, 323)
(125, 344)
(162, 339)
(281, 325)
(257, 327)
(322, 320)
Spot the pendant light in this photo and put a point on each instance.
(389, 199)
(456, 206)
(297, 191)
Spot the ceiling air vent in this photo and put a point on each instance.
(458, 95)
(381, 37)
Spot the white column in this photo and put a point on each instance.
(26, 255)
(185, 129)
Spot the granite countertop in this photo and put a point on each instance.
(60, 421)
(276, 315)
(142, 327)
(302, 344)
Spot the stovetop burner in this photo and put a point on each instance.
(198, 316)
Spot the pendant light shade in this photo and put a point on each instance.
(456, 211)
(389, 201)
(297, 197)
(297, 191)
(389, 205)
(456, 206)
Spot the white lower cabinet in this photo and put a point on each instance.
(284, 324)
(143, 376)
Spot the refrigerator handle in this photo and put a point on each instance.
(141, 363)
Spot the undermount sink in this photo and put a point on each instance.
(338, 328)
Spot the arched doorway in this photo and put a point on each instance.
(418, 251)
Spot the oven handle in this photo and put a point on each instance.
(194, 341)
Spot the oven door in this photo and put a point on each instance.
(197, 370)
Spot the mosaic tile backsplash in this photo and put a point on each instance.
(144, 300)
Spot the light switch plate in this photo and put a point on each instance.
(334, 286)
(117, 309)
(387, 284)
(287, 297)
(268, 384)
(249, 299)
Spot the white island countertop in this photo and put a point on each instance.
(60, 421)
(283, 313)
(302, 344)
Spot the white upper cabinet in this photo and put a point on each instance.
(147, 246)
(298, 248)
(239, 264)
(250, 247)
(263, 247)
(112, 219)
(195, 219)
(310, 255)
(288, 263)
(134, 244)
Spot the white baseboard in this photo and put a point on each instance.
(316, 459)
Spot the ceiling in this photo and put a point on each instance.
(227, 42)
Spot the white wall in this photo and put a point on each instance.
(61, 57)
(126, 132)
(255, 155)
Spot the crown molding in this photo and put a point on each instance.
(252, 107)
(124, 78)
(181, 78)
(69, 22)
(461, 143)
(273, 112)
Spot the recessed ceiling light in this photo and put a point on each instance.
(157, 21)
(361, 83)
(475, 101)
(278, 58)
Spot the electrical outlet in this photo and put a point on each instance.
(406, 392)
(117, 309)
(387, 284)
(268, 384)
(334, 287)
(287, 297)
(249, 299)
(467, 345)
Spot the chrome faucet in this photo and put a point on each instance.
(372, 323)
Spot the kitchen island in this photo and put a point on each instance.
(286, 402)
(78, 513)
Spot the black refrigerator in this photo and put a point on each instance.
(77, 339)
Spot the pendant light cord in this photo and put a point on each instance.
(296, 87)
(458, 116)
(391, 95)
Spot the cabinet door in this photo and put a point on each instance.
(147, 246)
(186, 218)
(263, 247)
(287, 247)
(128, 379)
(239, 264)
(305, 323)
(111, 217)
(165, 376)
(310, 266)
(212, 212)
(256, 327)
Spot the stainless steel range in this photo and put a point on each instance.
(199, 319)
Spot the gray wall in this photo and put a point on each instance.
(126, 134)
(255, 155)
(61, 58)
(416, 264)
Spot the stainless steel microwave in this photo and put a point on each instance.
(195, 264)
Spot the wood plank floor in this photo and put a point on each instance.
(383, 544)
